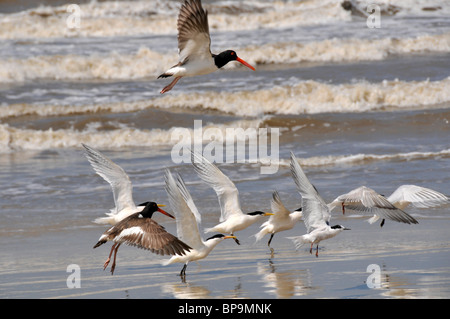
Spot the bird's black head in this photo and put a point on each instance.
(259, 213)
(144, 204)
(215, 236)
(150, 208)
(339, 227)
(224, 57)
(220, 236)
(229, 55)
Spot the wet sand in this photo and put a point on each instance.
(413, 259)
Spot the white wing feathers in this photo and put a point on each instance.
(186, 213)
(417, 196)
(115, 176)
(315, 211)
(365, 199)
(225, 189)
(280, 212)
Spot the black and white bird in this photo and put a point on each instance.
(194, 44)
(120, 184)
(367, 200)
(281, 220)
(232, 219)
(142, 231)
(316, 214)
(188, 222)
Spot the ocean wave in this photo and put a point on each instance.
(23, 139)
(114, 66)
(114, 18)
(344, 50)
(14, 139)
(125, 18)
(311, 97)
(359, 159)
(149, 63)
(306, 97)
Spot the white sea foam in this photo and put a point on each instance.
(356, 159)
(18, 139)
(149, 63)
(113, 66)
(113, 18)
(307, 97)
(316, 97)
(343, 50)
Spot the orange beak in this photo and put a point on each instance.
(165, 213)
(245, 63)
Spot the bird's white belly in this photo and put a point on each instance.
(193, 68)
(322, 234)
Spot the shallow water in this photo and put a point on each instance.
(357, 106)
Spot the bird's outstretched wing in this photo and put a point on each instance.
(115, 176)
(365, 199)
(280, 212)
(316, 213)
(416, 196)
(186, 213)
(193, 31)
(225, 189)
(147, 234)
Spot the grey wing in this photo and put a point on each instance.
(193, 31)
(187, 215)
(365, 199)
(225, 189)
(114, 175)
(278, 208)
(315, 211)
(417, 196)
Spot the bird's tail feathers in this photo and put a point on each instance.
(104, 220)
(298, 241)
(99, 243)
(373, 219)
(166, 262)
(263, 232)
(164, 75)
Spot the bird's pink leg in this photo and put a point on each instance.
(310, 250)
(171, 85)
(113, 266)
(317, 251)
(109, 257)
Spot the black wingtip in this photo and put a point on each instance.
(164, 75)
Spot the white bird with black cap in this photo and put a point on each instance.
(281, 220)
(367, 200)
(316, 214)
(188, 220)
(232, 219)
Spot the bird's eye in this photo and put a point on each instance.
(232, 53)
